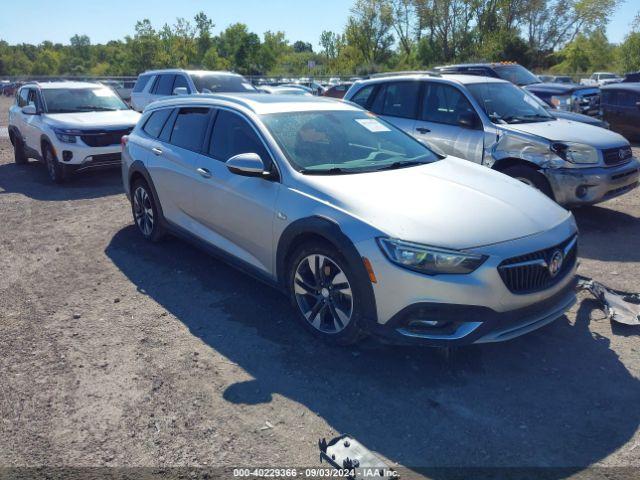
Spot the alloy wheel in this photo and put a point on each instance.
(323, 293)
(143, 211)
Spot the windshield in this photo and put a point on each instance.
(68, 100)
(212, 83)
(339, 142)
(506, 103)
(516, 74)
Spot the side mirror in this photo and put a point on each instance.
(180, 91)
(30, 109)
(247, 165)
(468, 120)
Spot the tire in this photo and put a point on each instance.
(531, 177)
(56, 171)
(327, 303)
(19, 154)
(145, 212)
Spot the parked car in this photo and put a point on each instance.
(159, 84)
(621, 108)
(562, 96)
(337, 91)
(601, 78)
(365, 228)
(632, 77)
(70, 126)
(494, 123)
(284, 91)
(566, 115)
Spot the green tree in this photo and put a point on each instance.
(239, 47)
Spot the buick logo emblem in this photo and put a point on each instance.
(555, 265)
(622, 153)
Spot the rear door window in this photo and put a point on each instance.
(444, 104)
(232, 135)
(401, 99)
(164, 86)
(363, 96)
(190, 127)
(140, 83)
(156, 122)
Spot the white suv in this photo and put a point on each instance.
(159, 84)
(71, 126)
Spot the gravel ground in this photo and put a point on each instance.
(116, 352)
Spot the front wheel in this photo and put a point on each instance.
(322, 290)
(531, 177)
(19, 155)
(55, 170)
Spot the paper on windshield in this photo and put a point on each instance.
(372, 125)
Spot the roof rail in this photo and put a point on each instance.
(431, 73)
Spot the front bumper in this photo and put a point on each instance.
(588, 186)
(467, 324)
(473, 308)
(77, 157)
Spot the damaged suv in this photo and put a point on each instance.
(364, 227)
(494, 123)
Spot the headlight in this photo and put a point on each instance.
(429, 260)
(66, 135)
(561, 102)
(576, 152)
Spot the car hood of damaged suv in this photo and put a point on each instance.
(91, 120)
(560, 130)
(451, 203)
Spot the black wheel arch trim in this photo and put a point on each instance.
(138, 168)
(329, 230)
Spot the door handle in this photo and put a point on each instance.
(204, 172)
(156, 151)
(423, 130)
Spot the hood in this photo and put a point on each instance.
(452, 203)
(577, 117)
(93, 120)
(569, 131)
(558, 88)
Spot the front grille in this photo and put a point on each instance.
(104, 138)
(531, 272)
(618, 155)
(106, 158)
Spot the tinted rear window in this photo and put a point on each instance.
(189, 129)
(141, 83)
(164, 86)
(156, 121)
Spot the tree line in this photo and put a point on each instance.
(565, 36)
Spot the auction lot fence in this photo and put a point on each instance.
(255, 79)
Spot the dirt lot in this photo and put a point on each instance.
(119, 353)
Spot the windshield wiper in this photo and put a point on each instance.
(330, 171)
(101, 109)
(400, 164)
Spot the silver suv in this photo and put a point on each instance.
(494, 123)
(366, 229)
